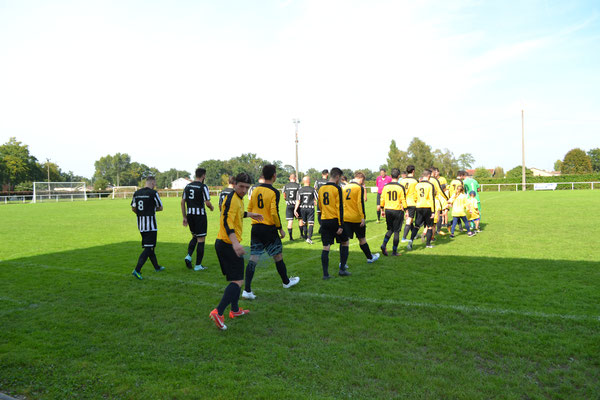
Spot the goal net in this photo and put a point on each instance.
(58, 191)
(123, 192)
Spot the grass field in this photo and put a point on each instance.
(513, 313)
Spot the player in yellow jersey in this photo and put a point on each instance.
(441, 207)
(230, 251)
(440, 184)
(354, 214)
(473, 214)
(332, 222)
(425, 212)
(409, 183)
(455, 183)
(393, 204)
(459, 210)
(264, 235)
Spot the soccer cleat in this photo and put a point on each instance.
(343, 272)
(326, 277)
(409, 245)
(470, 234)
(137, 274)
(429, 246)
(452, 235)
(160, 268)
(248, 295)
(404, 240)
(218, 319)
(199, 267)
(309, 241)
(396, 254)
(374, 257)
(383, 250)
(293, 281)
(188, 262)
(345, 266)
(239, 313)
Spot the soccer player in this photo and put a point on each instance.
(264, 237)
(261, 180)
(225, 192)
(290, 194)
(473, 186)
(195, 196)
(452, 189)
(425, 209)
(393, 204)
(145, 203)
(381, 181)
(230, 251)
(409, 183)
(441, 196)
(305, 209)
(318, 184)
(354, 214)
(459, 207)
(332, 222)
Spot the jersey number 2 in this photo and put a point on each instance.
(348, 191)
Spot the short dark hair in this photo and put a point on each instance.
(435, 169)
(461, 173)
(404, 173)
(382, 169)
(335, 172)
(269, 171)
(359, 175)
(427, 172)
(325, 172)
(232, 180)
(395, 173)
(410, 169)
(243, 177)
(200, 172)
(343, 178)
(150, 178)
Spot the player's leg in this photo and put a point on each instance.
(201, 230)
(466, 222)
(191, 247)
(344, 253)
(250, 268)
(301, 227)
(389, 218)
(287, 282)
(378, 207)
(429, 226)
(232, 267)
(361, 235)
(409, 220)
(327, 238)
(289, 216)
(454, 223)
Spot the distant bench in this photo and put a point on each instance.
(544, 186)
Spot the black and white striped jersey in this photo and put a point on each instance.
(195, 195)
(223, 195)
(291, 191)
(145, 201)
(307, 196)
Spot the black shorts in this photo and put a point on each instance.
(307, 215)
(393, 219)
(411, 211)
(197, 224)
(149, 239)
(265, 238)
(350, 228)
(423, 218)
(232, 266)
(378, 198)
(329, 236)
(289, 212)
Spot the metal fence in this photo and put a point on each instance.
(55, 198)
(516, 187)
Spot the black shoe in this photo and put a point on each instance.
(343, 272)
(395, 253)
(383, 250)
(188, 263)
(325, 277)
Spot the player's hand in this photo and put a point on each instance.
(282, 233)
(239, 249)
(296, 214)
(256, 216)
(185, 223)
(432, 215)
(378, 208)
(339, 231)
(362, 222)
(382, 213)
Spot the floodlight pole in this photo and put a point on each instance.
(296, 122)
(523, 148)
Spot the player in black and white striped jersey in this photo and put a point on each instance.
(195, 197)
(226, 191)
(145, 203)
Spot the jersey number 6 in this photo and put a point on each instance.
(259, 201)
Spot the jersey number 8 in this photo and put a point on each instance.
(141, 205)
(326, 198)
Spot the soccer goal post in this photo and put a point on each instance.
(122, 192)
(58, 191)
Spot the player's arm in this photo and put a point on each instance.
(207, 199)
(133, 205)
(341, 210)
(297, 205)
(275, 213)
(362, 203)
(183, 210)
(159, 206)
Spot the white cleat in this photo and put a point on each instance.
(309, 241)
(249, 295)
(293, 281)
(199, 267)
(374, 258)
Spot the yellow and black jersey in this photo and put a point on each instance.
(453, 185)
(409, 184)
(331, 202)
(439, 191)
(425, 195)
(354, 202)
(265, 201)
(393, 197)
(232, 217)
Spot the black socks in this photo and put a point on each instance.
(282, 270)
(325, 262)
(365, 248)
(199, 253)
(344, 252)
(249, 275)
(230, 296)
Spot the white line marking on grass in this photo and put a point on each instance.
(359, 299)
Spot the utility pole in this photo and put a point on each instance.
(48, 167)
(296, 122)
(523, 147)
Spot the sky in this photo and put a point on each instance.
(173, 83)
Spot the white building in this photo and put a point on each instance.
(541, 172)
(180, 183)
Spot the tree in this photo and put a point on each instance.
(17, 164)
(517, 172)
(481, 173)
(215, 169)
(594, 155)
(396, 157)
(445, 162)
(100, 184)
(420, 155)
(466, 160)
(498, 173)
(314, 174)
(55, 172)
(557, 165)
(576, 161)
(164, 179)
(113, 168)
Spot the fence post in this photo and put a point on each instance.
(498, 187)
(572, 186)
